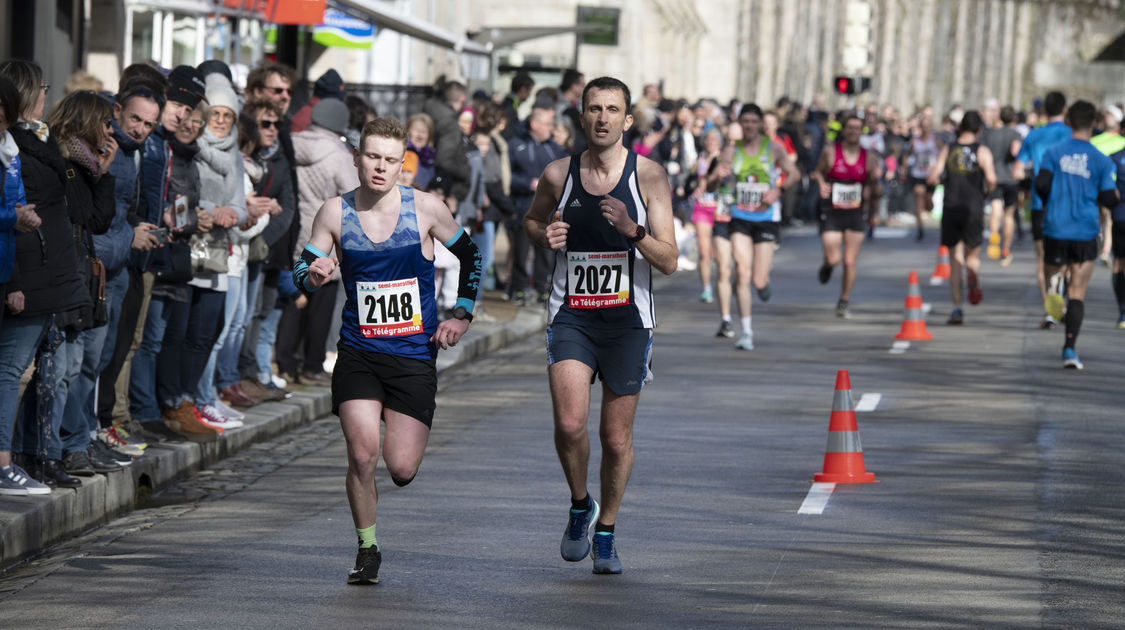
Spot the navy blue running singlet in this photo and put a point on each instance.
(390, 305)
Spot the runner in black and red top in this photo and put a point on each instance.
(849, 178)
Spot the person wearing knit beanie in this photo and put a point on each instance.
(332, 114)
(185, 86)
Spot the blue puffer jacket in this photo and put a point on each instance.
(114, 246)
(11, 193)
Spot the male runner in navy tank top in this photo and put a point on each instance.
(389, 335)
(607, 214)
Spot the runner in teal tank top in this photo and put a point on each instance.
(389, 336)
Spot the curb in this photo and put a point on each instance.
(30, 524)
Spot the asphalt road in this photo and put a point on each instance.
(1000, 503)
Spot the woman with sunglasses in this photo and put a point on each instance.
(256, 355)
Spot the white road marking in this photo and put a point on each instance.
(868, 402)
(899, 347)
(817, 498)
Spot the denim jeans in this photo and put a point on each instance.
(234, 307)
(143, 404)
(485, 241)
(41, 410)
(226, 371)
(79, 417)
(255, 283)
(19, 341)
(267, 335)
(205, 322)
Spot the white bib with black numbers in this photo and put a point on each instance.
(597, 279)
(847, 196)
(389, 309)
(749, 195)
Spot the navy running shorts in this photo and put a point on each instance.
(621, 357)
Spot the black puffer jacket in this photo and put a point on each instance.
(91, 205)
(46, 269)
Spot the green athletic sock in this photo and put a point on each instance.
(366, 537)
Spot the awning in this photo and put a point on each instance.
(414, 27)
(503, 36)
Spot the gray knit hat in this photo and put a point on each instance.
(332, 114)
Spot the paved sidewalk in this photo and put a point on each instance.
(32, 523)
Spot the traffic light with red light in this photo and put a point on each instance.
(852, 85)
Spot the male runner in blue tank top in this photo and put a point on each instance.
(389, 335)
(607, 214)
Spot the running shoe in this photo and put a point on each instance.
(210, 414)
(120, 444)
(15, 481)
(1121, 322)
(824, 274)
(975, 294)
(99, 450)
(1048, 323)
(366, 569)
(725, 330)
(956, 318)
(227, 412)
(1070, 359)
(1054, 304)
(994, 245)
(1005, 259)
(576, 539)
(842, 310)
(119, 435)
(745, 342)
(708, 295)
(605, 554)
(764, 293)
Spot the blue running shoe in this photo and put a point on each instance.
(576, 540)
(745, 342)
(1121, 322)
(708, 295)
(1070, 359)
(605, 554)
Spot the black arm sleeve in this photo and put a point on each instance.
(1108, 198)
(1043, 183)
(467, 253)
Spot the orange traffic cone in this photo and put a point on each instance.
(941, 270)
(913, 324)
(843, 459)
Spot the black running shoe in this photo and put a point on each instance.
(956, 318)
(725, 330)
(824, 274)
(366, 569)
(78, 463)
(764, 293)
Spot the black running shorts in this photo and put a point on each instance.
(962, 224)
(1037, 225)
(758, 231)
(621, 357)
(1058, 253)
(1118, 246)
(833, 220)
(1009, 193)
(721, 230)
(408, 386)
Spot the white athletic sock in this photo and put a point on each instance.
(746, 326)
(726, 318)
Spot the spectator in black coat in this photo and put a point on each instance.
(522, 84)
(530, 151)
(448, 140)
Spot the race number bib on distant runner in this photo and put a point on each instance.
(847, 196)
(597, 279)
(749, 195)
(389, 309)
(722, 209)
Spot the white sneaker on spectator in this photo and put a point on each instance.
(120, 444)
(16, 482)
(211, 415)
(277, 380)
(227, 411)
